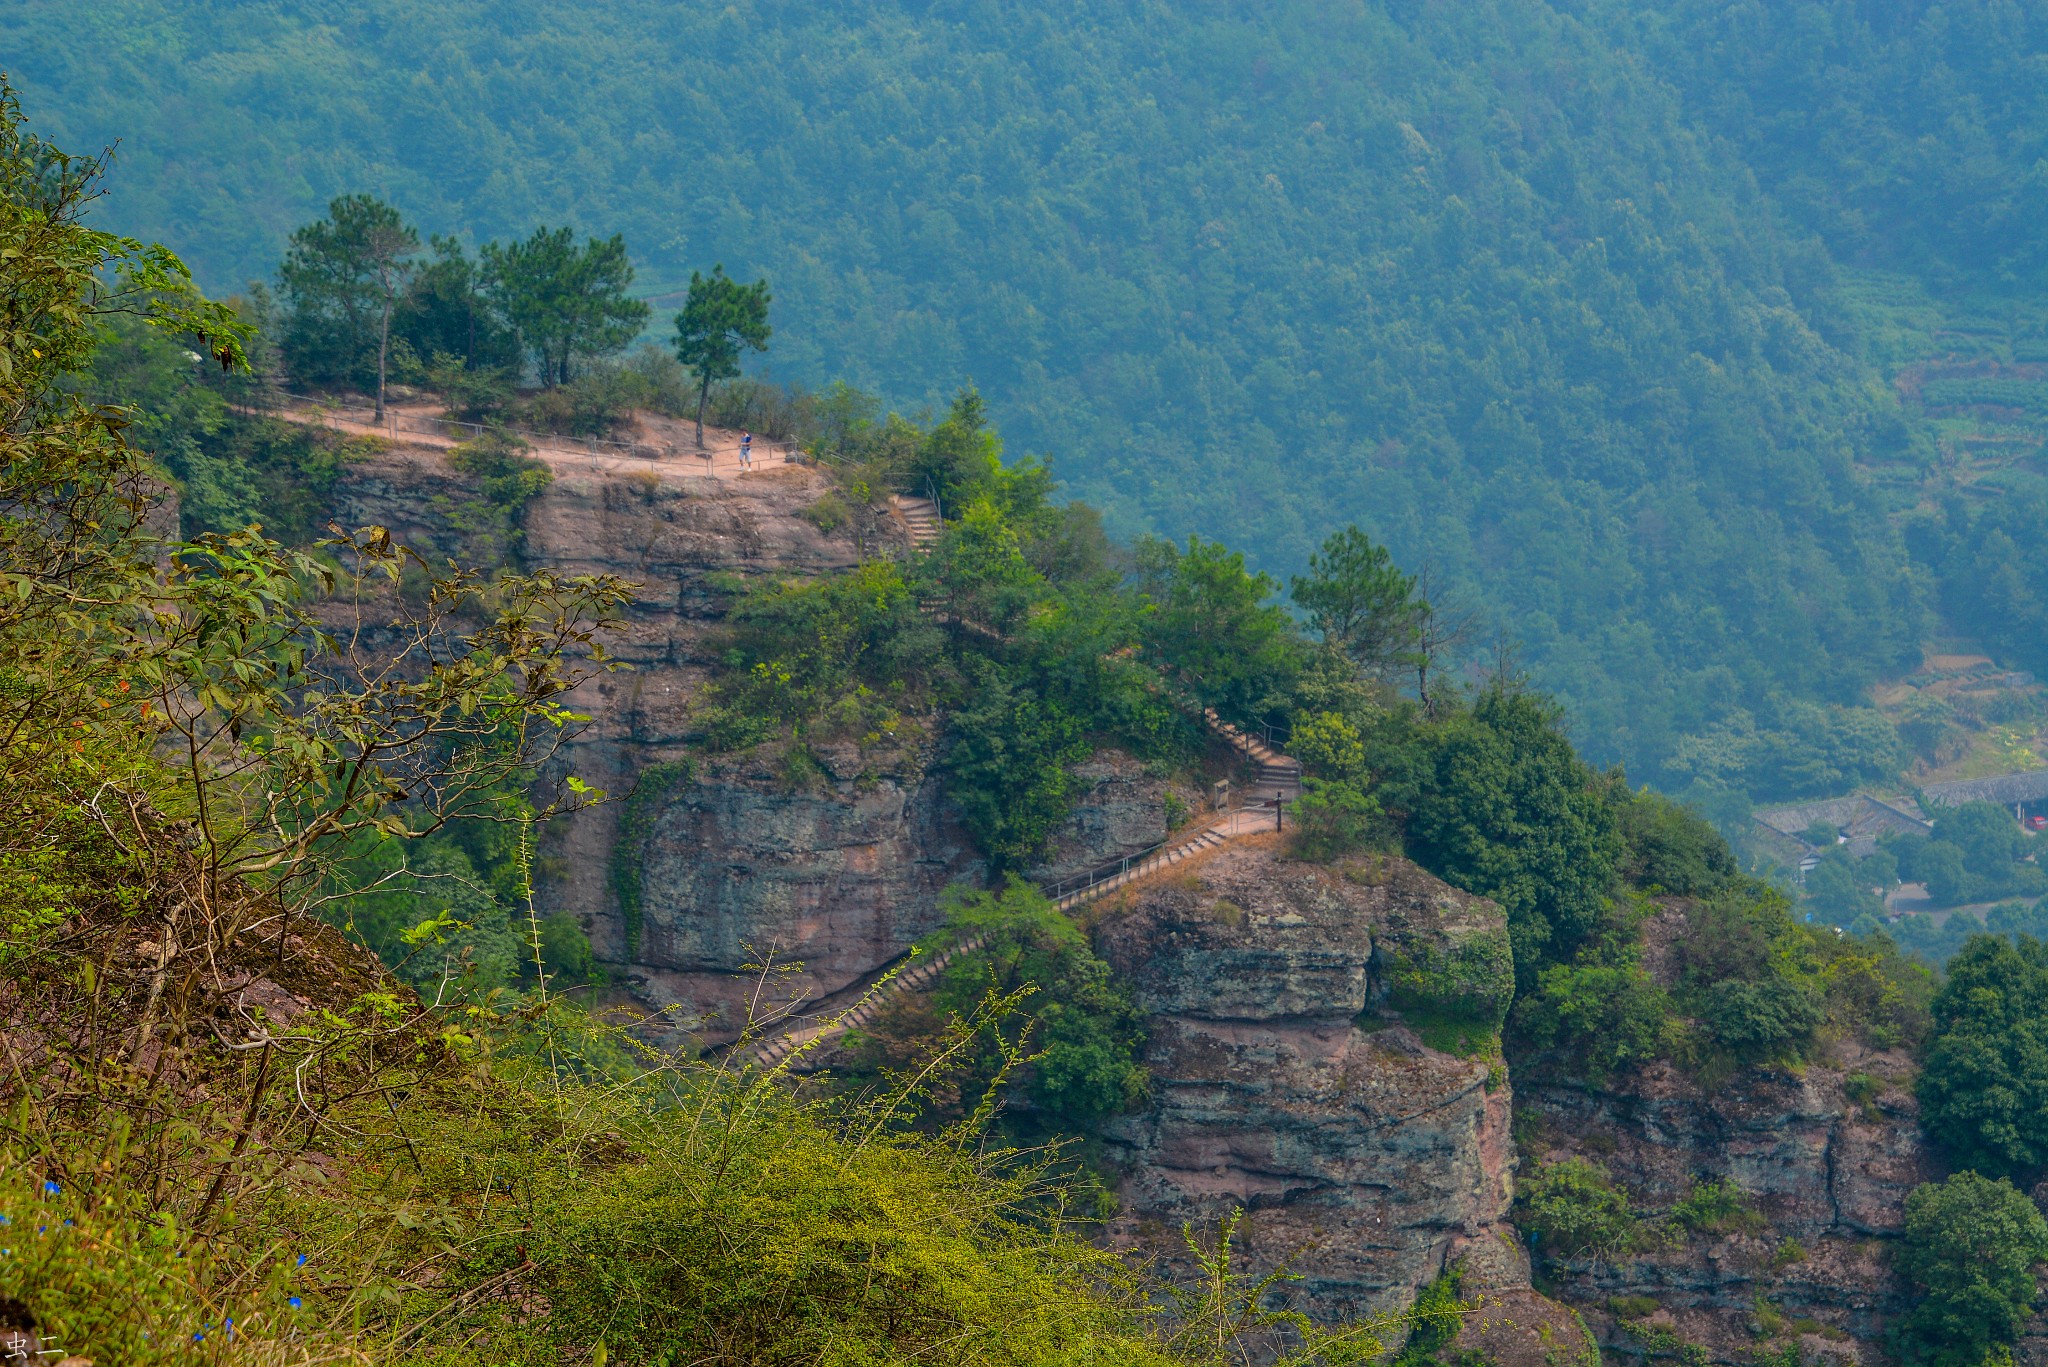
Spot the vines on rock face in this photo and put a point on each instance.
(651, 791)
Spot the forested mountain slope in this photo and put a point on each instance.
(1497, 280)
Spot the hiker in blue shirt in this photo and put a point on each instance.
(746, 450)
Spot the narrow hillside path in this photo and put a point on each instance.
(1278, 783)
(672, 454)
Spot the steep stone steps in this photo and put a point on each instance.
(921, 516)
(1277, 782)
(869, 1004)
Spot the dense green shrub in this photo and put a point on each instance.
(1509, 811)
(1740, 975)
(1667, 847)
(1717, 1208)
(1595, 1019)
(1455, 995)
(1970, 1246)
(1984, 1087)
(1572, 1209)
(1333, 818)
(1008, 765)
(1436, 1317)
(1076, 1028)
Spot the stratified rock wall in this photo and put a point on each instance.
(836, 872)
(1275, 1086)
(1830, 1177)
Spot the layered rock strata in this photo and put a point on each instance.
(1828, 1174)
(830, 874)
(1285, 1084)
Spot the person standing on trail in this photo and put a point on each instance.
(746, 450)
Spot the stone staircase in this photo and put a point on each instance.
(1279, 776)
(921, 516)
(1277, 783)
(870, 997)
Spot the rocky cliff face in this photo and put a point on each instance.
(834, 871)
(1829, 1175)
(1826, 1154)
(1284, 1082)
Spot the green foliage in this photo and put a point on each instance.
(576, 1195)
(1076, 1029)
(232, 468)
(1511, 812)
(1668, 847)
(1973, 856)
(652, 789)
(1258, 274)
(1984, 1087)
(567, 304)
(1211, 624)
(1600, 1019)
(1853, 113)
(719, 317)
(1572, 1209)
(1741, 977)
(1970, 1246)
(508, 479)
(824, 653)
(1786, 747)
(1333, 818)
(1436, 1317)
(1841, 888)
(1359, 601)
(1717, 1208)
(1990, 559)
(1007, 766)
(102, 1272)
(340, 279)
(447, 312)
(1457, 994)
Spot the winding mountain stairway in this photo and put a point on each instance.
(870, 996)
(921, 515)
(1278, 782)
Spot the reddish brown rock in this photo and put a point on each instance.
(1283, 1084)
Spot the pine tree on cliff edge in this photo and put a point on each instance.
(719, 317)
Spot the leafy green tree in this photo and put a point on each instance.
(1079, 1027)
(719, 318)
(1213, 627)
(341, 278)
(1573, 1210)
(1007, 765)
(1970, 1246)
(1984, 1086)
(567, 304)
(961, 455)
(980, 569)
(448, 311)
(1510, 812)
(1669, 846)
(1360, 601)
(1840, 888)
